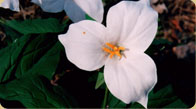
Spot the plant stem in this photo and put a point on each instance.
(105, 98)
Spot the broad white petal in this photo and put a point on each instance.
(11, 4)
(50, 5)
(74, 12)
(121, 20)
(132, 78)
(144, 100)
(77, 9)
(83, 44)
(144, 31)
(93, 8)
(147, 2)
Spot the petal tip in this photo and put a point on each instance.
(60, 37)
(143, 101)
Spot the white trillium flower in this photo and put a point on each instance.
(75, 9)
(129, 73)
(11, 4)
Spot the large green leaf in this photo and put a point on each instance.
(41, 57)
(29, 26)
(38, 53)
(113, 102)
(9, 57)
(11, 34)
(164, 98)
(35, 91)
(23, 63)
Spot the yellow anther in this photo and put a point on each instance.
(118, 54)
(83, 32)
(121, 48)
(113, 50)
(111, 55)
(110, 45)
(107, 50)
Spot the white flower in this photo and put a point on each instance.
(11, 4)
(75, 9)
(129, 73)
(1, 107)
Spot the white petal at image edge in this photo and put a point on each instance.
(50, 5)
(74, 12)
(10, 4)
(77, 9)
(94, 8)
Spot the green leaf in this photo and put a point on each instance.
(40, 54)
(157, 46)
(38, 26)
(161, 41)
(26, 67)
(164, 98)
(35, 91)
(41, 59)
(9, 56)
(113, 102)
(100, 80)
(176, 103)
(136, 105)
(89, 18)
(11, 34)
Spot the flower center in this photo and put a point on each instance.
(113, 50)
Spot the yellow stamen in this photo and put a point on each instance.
(83, 32)
(121, 48)
(111, 55)
(110, 45)
(113, 50)
(107, 50)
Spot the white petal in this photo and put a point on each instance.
(144, 31)
(11, 4)
(74, 12)
(144, 100)
(76, 9)
(93, 8)
(50, 5)
(147, 2)
(122, 18)
(83, 44)
(130, 79)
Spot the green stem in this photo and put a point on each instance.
(105, 98)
